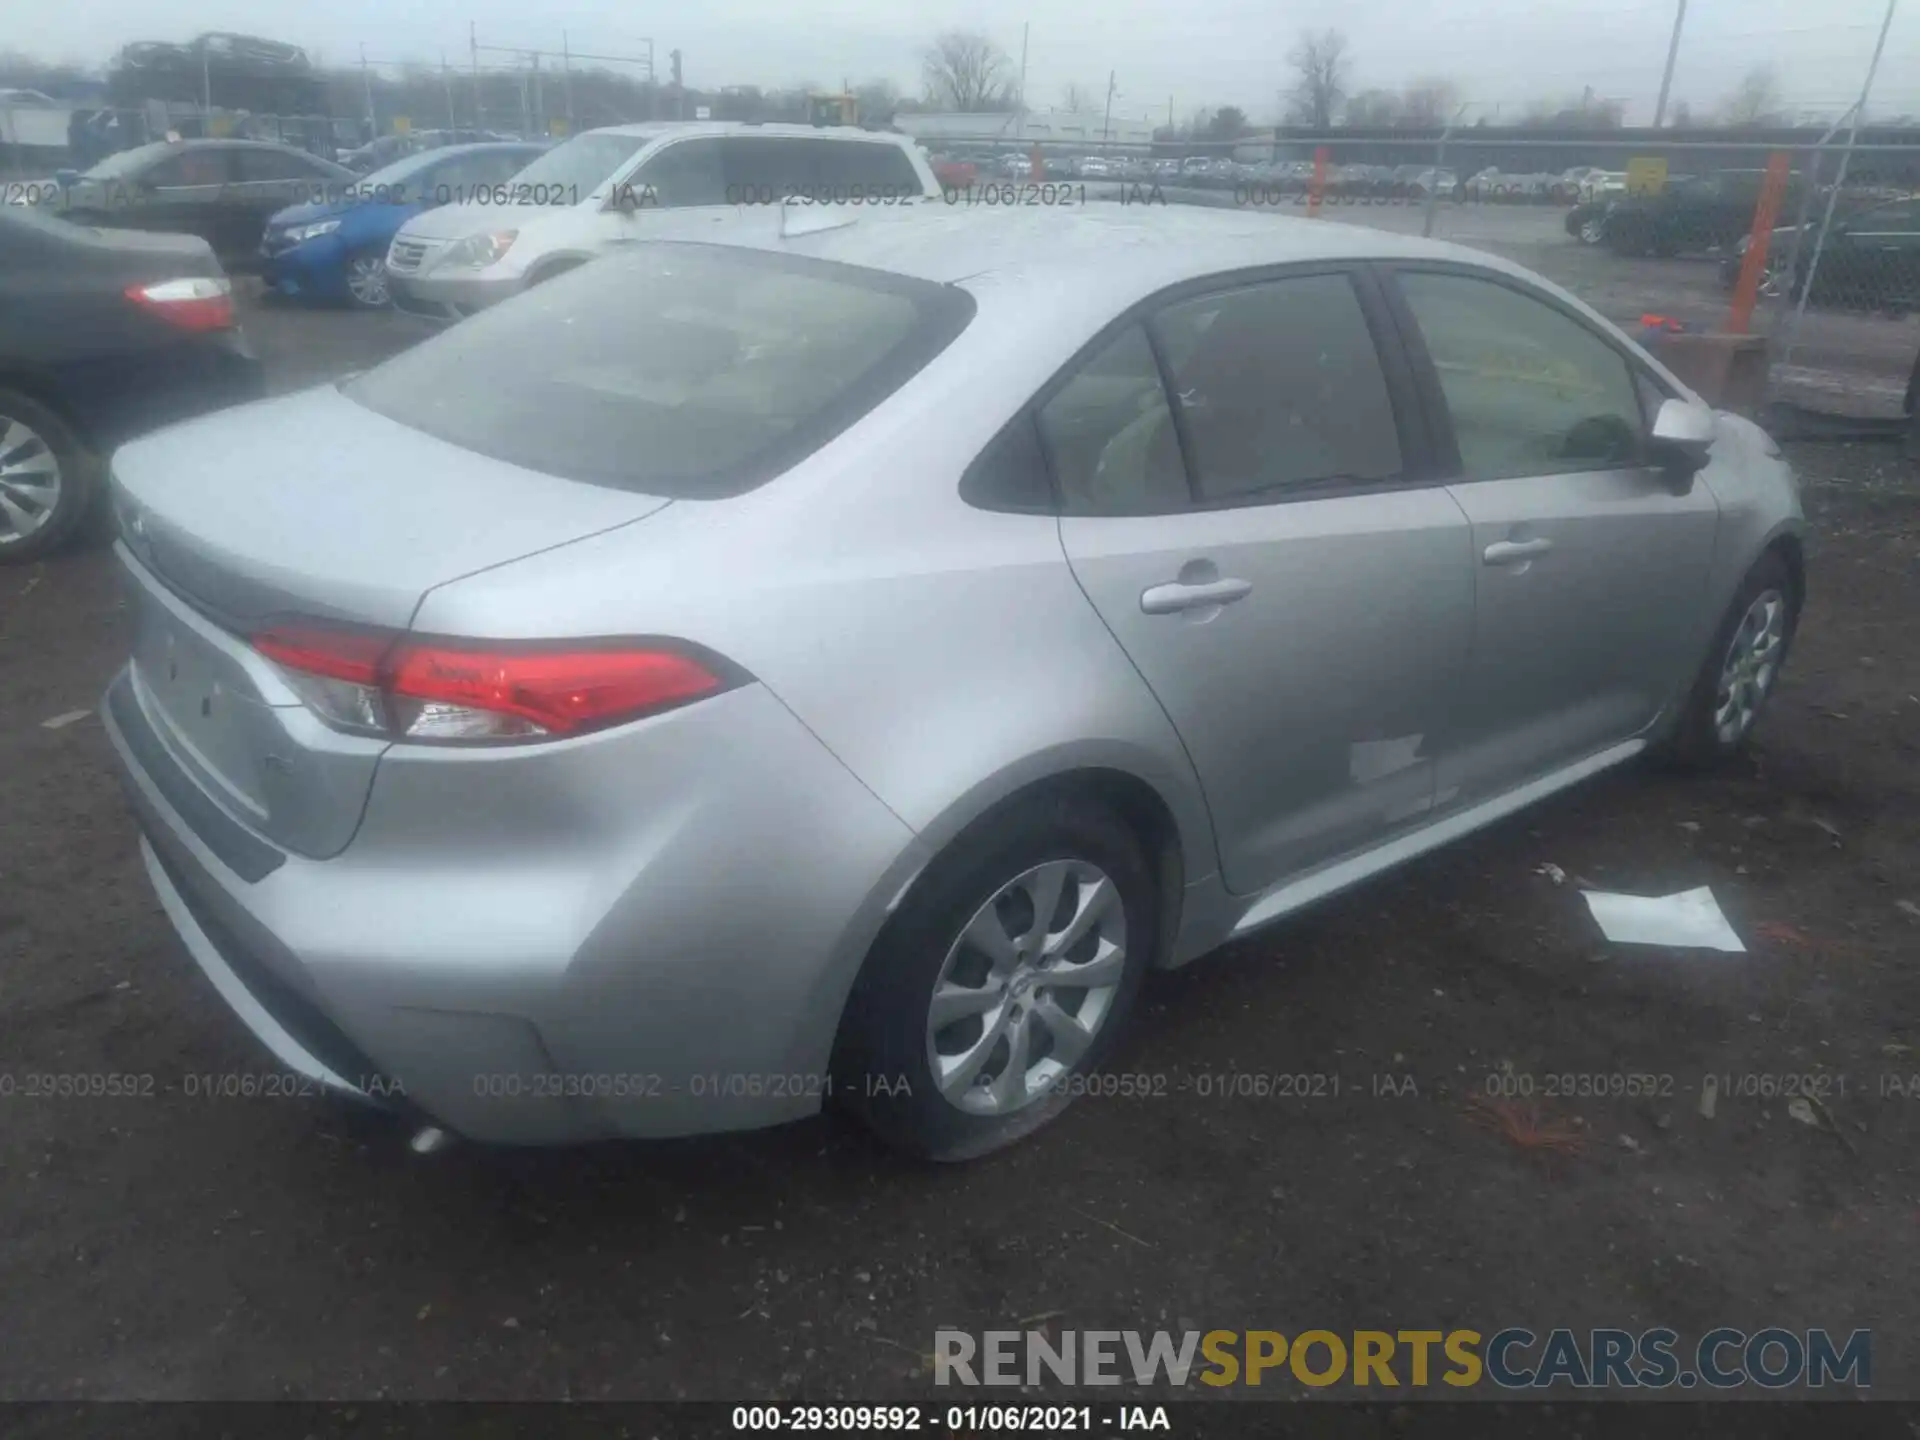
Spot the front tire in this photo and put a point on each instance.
(1001, 982)
(47, 479)
(1741, 669)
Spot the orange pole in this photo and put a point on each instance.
(1319, 181)
(1746, 292)
(1039, 163)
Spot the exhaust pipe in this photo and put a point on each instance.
(429, 1140)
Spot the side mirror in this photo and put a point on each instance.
(1682, 440)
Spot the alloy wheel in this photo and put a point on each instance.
(1593, 231)
(29, 481)
(367, 280)
(1752, 663)
(1026, 987)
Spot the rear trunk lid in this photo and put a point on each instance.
(313, 506)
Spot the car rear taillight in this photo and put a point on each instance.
(200, 303)
(403, 688)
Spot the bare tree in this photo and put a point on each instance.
(966, 71)
(1319, 64)
(1429, 102)
(1078, 99)
(877, 99)
(1755, 100)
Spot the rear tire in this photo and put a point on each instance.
(1741, 670)
(48, 478)
(1015, 1035)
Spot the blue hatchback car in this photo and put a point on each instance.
(334, 246)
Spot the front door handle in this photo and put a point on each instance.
(1169, 599)
(1512, 552)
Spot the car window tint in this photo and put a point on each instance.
(1532, 391)
(190, 167)
(1279, 386)
(1011, 473)
(1110, 436)
(257, 165)
(690, 371)
(687, 172)
(843, 168)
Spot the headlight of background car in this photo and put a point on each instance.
(479, 251)
(312, 232)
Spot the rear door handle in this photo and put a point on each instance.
(1512, 552)
(1169, 599)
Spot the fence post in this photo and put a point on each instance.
(1319, 186)
(1439, 163)
(1758, 239)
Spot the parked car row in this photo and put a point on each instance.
(1583, 184)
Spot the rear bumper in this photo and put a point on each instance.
(675, 965)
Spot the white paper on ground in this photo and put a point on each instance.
(1691, 918)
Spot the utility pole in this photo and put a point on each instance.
(566, 70)
(539, 99)
(206, 80)
(1023, 69)
(473, 45)
(1107, 123)
(1666, 80)
(366, 85)
(446, 78)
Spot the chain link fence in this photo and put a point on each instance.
(1653, 230)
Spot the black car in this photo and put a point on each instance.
(1871, 260)
(1691, 215)
(103, 335)
(221, 190)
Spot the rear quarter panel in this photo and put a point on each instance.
(943, 653)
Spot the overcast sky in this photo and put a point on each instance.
(1500, 53)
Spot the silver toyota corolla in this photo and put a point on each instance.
(836, 666)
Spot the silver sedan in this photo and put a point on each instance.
(835, 664)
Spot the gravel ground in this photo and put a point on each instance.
(172, 1247)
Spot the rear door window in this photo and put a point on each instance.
(689, 371)
(846, 170)
(1279, 388)
(190, 169)
(259, 165)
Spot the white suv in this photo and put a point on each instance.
(604, 188)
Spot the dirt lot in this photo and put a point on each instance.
(176, 1247)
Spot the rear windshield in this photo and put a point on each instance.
(690, 371)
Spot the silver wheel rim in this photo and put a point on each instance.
(1750, 667)
(367, 279)
(1026, 987)
(29, 481)
(1593, 231)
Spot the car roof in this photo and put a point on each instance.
(659, 129)
(1108, 251)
